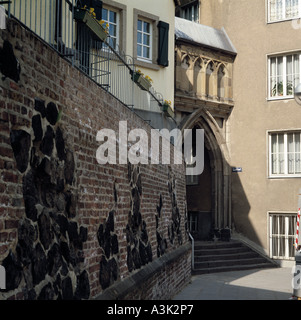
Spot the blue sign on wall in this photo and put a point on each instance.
(236, 169)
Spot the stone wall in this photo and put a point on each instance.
(71, 228)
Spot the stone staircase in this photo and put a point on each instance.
(211, 257)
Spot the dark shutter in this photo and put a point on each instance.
(96, 4)
(163, 29)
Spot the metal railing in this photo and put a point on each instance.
(54, 22)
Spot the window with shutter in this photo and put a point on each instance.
(163, 28)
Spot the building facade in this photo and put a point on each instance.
(204, 67)
(264, 124)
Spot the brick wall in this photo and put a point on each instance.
(71, 228)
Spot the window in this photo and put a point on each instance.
(284, 75)
(282, 235)
(111, 17)
(144, 40)
(150, 40)
(285, 154)
(190, 12)
(283, 9)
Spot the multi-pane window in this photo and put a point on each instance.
(110, 17)
(144, 40)
(284, 75)
(283, 9)
(282, 235)
(285, 154)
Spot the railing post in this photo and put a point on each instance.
(192, 252)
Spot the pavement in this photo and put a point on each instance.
(255, 284)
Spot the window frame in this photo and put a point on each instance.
(153, 20)
(117, 24)
(286, 215)
(120, 9)
(283, 18)
(284, 74)
(142, 43)
(285, 175)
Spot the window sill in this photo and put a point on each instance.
(148, 65)
(281, 98)
(284, 20)
(286, 176)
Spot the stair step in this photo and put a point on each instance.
(217, 245)
(217, 251)
(232, 268)
(210, 257)
(231, 256)
(220, 263)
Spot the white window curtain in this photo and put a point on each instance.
(276, 10)
(285, 153)
(283, 9)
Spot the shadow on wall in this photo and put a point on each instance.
(241, 210)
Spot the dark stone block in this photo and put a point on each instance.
(149, 252)
(83, 286)
(39, 265)
(136, 200)
(39, 105)
(52, 113)
(143, 254)
(26, 236)
(47, 292)
(45, 170)
(107, 246)
(67, 291)
(21, 142)
(62, 221)
(57, 284)
(136, 258)
(9, 64)
(60, 144)
(30, 207)
(30, 185)
(110, 221)
(70, 204)
(100, 236)
(45, 231)
(31, 295)
(104, 273)
(37, 127)
(34, 158)
(114, 244)
(13, 271)
(72, 231)
(47, 143)
(54, 260)
(69, 167)
(139, 184)
(83, 234)
(65, 251)
(114, 269)
(144, 236)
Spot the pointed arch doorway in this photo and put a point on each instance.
(209, 194)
